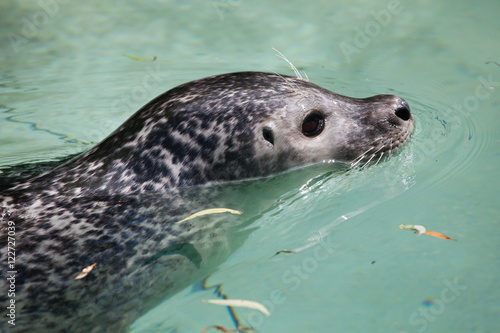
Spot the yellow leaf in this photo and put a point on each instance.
(140, 59)
(211, 211)
(240, 303)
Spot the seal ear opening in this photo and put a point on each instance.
(268, 135)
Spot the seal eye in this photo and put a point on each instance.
(313, 124)
(268, 135)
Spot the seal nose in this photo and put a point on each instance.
(402, 110)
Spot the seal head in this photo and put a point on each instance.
(237, 126)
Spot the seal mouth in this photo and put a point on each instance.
(401, 121)
(382, 150)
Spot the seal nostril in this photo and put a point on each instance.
(403, 112)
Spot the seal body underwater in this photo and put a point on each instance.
(116, 205)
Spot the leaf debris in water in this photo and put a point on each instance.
(225, 330)
(438, 235)
(85, 271)
(492, 62)
(240, 303)
(140, 59)
(211, 211)
(420, 229)
(283, 251)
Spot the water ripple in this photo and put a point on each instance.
(447, 137)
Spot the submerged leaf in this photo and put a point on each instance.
(211, 211)
(226, 330)
(240, 303)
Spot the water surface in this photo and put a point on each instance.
(65, 84)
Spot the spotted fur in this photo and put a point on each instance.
(116, 204)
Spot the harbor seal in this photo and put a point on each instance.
(116, 206)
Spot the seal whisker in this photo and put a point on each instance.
(364, 155)
(288, 83)
(356, 162)
(358, 159)
(307, 77)
(381, 147)
(375, 154)
(368, 162)
(285, 81)
(295, 70)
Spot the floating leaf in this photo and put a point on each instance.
(240, 303)
(211, 211)
(282, 251)
(438, 235)
(420, 229)
(225, 330)
(85, 271)
(140, 59)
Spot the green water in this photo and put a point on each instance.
(65, 83)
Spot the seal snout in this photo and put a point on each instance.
(402, 110)
(399, 113)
